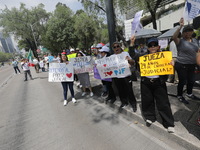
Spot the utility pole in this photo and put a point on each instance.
(111, 22)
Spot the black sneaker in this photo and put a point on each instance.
(182, 99)
(192, 96)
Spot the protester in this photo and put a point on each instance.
(84, 79)
(124, 85)
(154, 92)
(186, 60)
(173, 78)
(67, 83)
(26, 69)
(41, 63)
(107, 83)
(15, 66)
(36, 64)
(98, 47)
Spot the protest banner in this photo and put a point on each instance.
(113, 66)
(82, 64)
(136, 22)
(156, 64)
(191, 10)
(59, 72)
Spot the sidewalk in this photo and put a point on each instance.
(187, 130)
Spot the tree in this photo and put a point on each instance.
(19, 21)
(60, 29)
(85, 29)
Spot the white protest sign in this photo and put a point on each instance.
(163, 43)
(192, 9)
(113, 66)
(82, 64)
(136, 22)
(59, 72)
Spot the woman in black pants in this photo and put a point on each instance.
(186, 60)
(124, 85)
(66, 84)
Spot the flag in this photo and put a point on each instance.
(191, 10)
(30, 58)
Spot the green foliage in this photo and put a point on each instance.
(60, 29)
(5, 56)
(85, 30)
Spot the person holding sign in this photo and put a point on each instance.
(187, 49)
(107, 83)
(84, 79)
(66, 84)
(154, 92)
(124, 85)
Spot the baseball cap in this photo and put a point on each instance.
(71, 50)
(99, 45)
(188, 28)
(104, 49)
(151, 40)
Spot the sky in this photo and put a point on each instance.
(49, 4)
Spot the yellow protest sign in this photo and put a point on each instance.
(73, 55)
(156, 64)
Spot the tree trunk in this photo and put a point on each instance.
(154, 20)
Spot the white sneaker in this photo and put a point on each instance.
(73, 100)
(171, 129)
(65, 102)
(91, 93)
(80, 86)
(83, 94)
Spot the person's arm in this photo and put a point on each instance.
(175, 36)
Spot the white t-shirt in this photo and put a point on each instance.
(25, 66)
(173, 48)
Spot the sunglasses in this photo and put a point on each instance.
(152, 45)
(116, 46)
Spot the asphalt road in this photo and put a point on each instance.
(32, 117)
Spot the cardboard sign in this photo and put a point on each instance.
(156, 64)
(136, 22)
(82, 64)
(113, 66)
(191, 10)
(59, 72)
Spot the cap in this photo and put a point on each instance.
(188, 28)
(104, 49)
(63, 53)
(71, 50)
(77, 49)
(152, 40)
(99, 45)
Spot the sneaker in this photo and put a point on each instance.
(182, 99)
(73, 100)
(192, 96)
(91, 93)
(171, 129)
(148, 123)
(123, 105)
(83, 94)
(65, 102)
(104, 94)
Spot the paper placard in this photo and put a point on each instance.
(113, 66)
(59, 72)
(82, 64)
(156, 64)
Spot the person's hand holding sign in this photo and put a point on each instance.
(181, 22)
(132, 40)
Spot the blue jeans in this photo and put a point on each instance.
(65, 89)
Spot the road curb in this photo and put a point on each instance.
(157, 127)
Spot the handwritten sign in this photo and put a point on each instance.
(59, 72)
(192, 9)
(82, 64)
(156, 64)
(113, 66)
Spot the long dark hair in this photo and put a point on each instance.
(61, 60)
(79, 53)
